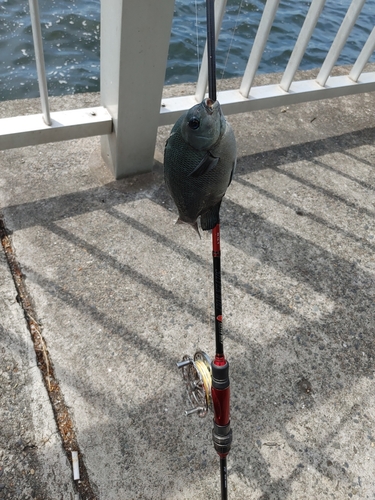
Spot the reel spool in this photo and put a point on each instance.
(197, 374)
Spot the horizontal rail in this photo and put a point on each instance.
(17, 132)
(270, 96)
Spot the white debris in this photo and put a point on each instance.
(75, 465)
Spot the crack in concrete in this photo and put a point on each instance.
(61, 413)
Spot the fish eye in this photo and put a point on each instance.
(194, 123)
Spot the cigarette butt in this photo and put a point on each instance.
(75, 465)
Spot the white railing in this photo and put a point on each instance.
(134, 50)
(249, 98)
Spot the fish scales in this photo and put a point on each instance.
(199, 161)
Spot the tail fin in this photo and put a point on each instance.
(211, 218)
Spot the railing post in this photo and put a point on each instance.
(39, 58)
(338, 43)
(134, 49)
(259, 44)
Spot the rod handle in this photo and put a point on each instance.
(220, 392)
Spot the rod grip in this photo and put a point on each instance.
(222, 438)
(220, 392)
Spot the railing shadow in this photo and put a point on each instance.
(268, 398)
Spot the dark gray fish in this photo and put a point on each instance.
(199, 161)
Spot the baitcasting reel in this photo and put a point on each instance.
(197, 374)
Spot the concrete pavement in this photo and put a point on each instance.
(119, 293)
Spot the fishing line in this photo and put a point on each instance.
(232, 39)
(197, 34)
(206, 377)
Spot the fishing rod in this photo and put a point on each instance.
(210, 15)
(208, 381)
(220, 391)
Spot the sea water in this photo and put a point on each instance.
(71, 38)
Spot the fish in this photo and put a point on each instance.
(199, 162)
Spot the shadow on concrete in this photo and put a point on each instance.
(269, 397)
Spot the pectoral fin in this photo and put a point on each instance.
(205, 165)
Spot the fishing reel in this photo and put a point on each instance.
(197, 374)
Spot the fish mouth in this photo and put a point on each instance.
(210, 105)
